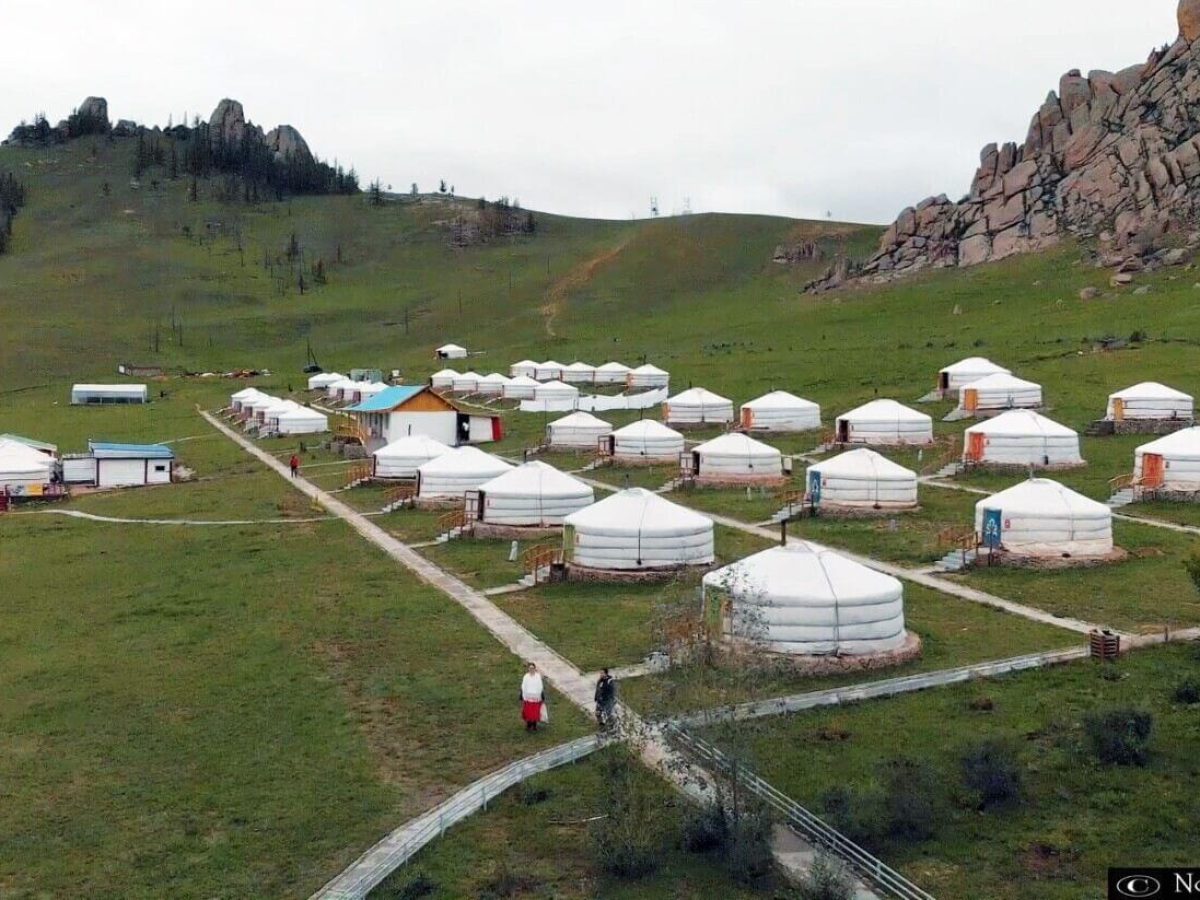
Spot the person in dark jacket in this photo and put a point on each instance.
(606, 699)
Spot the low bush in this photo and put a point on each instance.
(417, 886)
(1120, 736)
(704, 829)
(992, 773)
(747, 856)
(628, 842)
(912, 795)
(1187, 691)
(826, 880)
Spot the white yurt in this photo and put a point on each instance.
(239, 399)
(1150, 400)
(535, 495)
(1171, 463)
(257, 407)
(491, 385)
(963, 372)
(322, 380)
(338, 390)
(466, 383)
(612, 373)
(736, 458)
(526, 367)
(999, 391)
(635, 530)
(443, 380)
(557, 392)
(862, 479)
(276, 409)
(1040, 517)
(886, 423)
(520, 387)
(22, 466)
(402, 458)
(579, 373)
(648, 376)
(549, 371)
(646, 441)
(450, 351)
(1021, 437)
(578, 431)
(697, 406)
(362, 390)
(806, 599)
(780, 411)
(452, 474)
(300, 420)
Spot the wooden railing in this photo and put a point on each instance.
(350, 430)
(536, 559)
(942, 453)
(456, 518)
(402, 493)
(358, 473)
(1122, 482)
(957, 537)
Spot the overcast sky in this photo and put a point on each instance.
(794, 107)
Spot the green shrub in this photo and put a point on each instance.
(911, 799)
(826, 880)
(1120, 736)
(992, 772)
(1187, 691)
(856, 815)
(628, 842)
(417, 886)
(747, 856)
(705, 829)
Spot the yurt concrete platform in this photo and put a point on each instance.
(1052, 563)
(640, 462)
(488, 531)
(838, 511)
(1159, 427)
(627, 576)
(446, 503)
(738, 481)
(1153, 495)
(743, 653)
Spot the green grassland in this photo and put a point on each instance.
(1077, 816)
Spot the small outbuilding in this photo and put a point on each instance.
(735, 459)
(861, 480)
(534, 495)
(402, 458)
(1040, 518)
(466, 383)
(1021, 437)
(549, 371)
(647, 377)
(451, 475)
(492, 385)
(963, 372)
(1150, 400)
(450, 351)
(406, 410)
(1169, 464)
(645, 441)
(520, 387)
(998, 392)
(780, 411)
(636, 531)
(110, 465)
(884, 423)
(612, 373)
(300, 420)
(578, 431)
(104, 394)
(697, 407)
(808, 600)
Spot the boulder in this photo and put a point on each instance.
(1189, 20)
(227, 124)
(94, 108)
(286, 141)
(1089, 293)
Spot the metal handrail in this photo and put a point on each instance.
(878, 874)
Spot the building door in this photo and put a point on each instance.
(843, 431)
(1154, 470)
(975, 447)
(463, 430)
(970, 399)
(747, 418)
(1118, 409)
(944, 381)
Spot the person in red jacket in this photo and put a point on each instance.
(294, 464)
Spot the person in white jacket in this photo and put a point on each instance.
(533, 698)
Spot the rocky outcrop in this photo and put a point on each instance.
(227, 124)
(285, 141)
(94, 108)
(1115, 151)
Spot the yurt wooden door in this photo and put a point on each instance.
(970, 399)
(747, 418)
(606, 445)
(976, 443)
(1154, 470)
(843, 431)
(1118, 409)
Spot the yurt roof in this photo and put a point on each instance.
(30, 442)
(649, 370)
(737, 444)
(1042, 495)
(580, 420)
(16, 456)
(550, 364)
(245, 394)
(413, 445)
(886, 410)
(1150, 390)
(647, 428)
(447, 348)
(524, 381)
(974, 364)
(698, 395)
(524, 364)
(494, 378)
(1000, 381)
(283, 406)
(557, 387)
(863, 462)
(779, 400)
(536, 479)
(804, 569)
(466, 459)
(1021, 422)
(637, 510)
(474, 375)
(302, 414)
(344, 383)
(1186, 441)
(579, 367)
(613, 367)
(445, 373)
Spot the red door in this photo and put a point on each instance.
(975, 446)
(1154, 470)
(497, 429)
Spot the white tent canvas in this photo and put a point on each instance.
(339, 389)
(636, 529)
(1021, 437)
(862, 479)
(780, 411)
(466, 383)
(491, 385)
(646, 441)
(520, 387)
(953, 377)
(1171, 463)
(736, 457)
(578, 431)
(612, 373)
(452, 474)
(301, 420)
(1042, 518)
(579, 373)
(1149, 400)
(648, 376)
(884, 423)
(526, 367)
(532, 495)
(21, 465)
(697, 406)
(999, 391)
(549, 371)
(443, 380)
(322, 380)
(402, 458)
(806, 599)
(556, 391)
(451, 351)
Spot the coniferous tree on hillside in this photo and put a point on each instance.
(12, 198)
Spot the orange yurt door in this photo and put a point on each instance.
(975, 447)
(970, 399)
(1154, 470)
(747, 418)
(1118, 409)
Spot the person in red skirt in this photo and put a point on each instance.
(294, 464)
(533, 698)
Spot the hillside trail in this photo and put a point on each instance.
(582, 273)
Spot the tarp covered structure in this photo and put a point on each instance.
(636, 529)
(862, 479)
(532, 495)
(806, 599)
(780, 411)
(1021, 437)
(884, 422)
(1149, 400)
(1040, 517)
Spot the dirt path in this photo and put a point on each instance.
(558, 293)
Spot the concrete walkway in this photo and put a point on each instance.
(91, 517)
